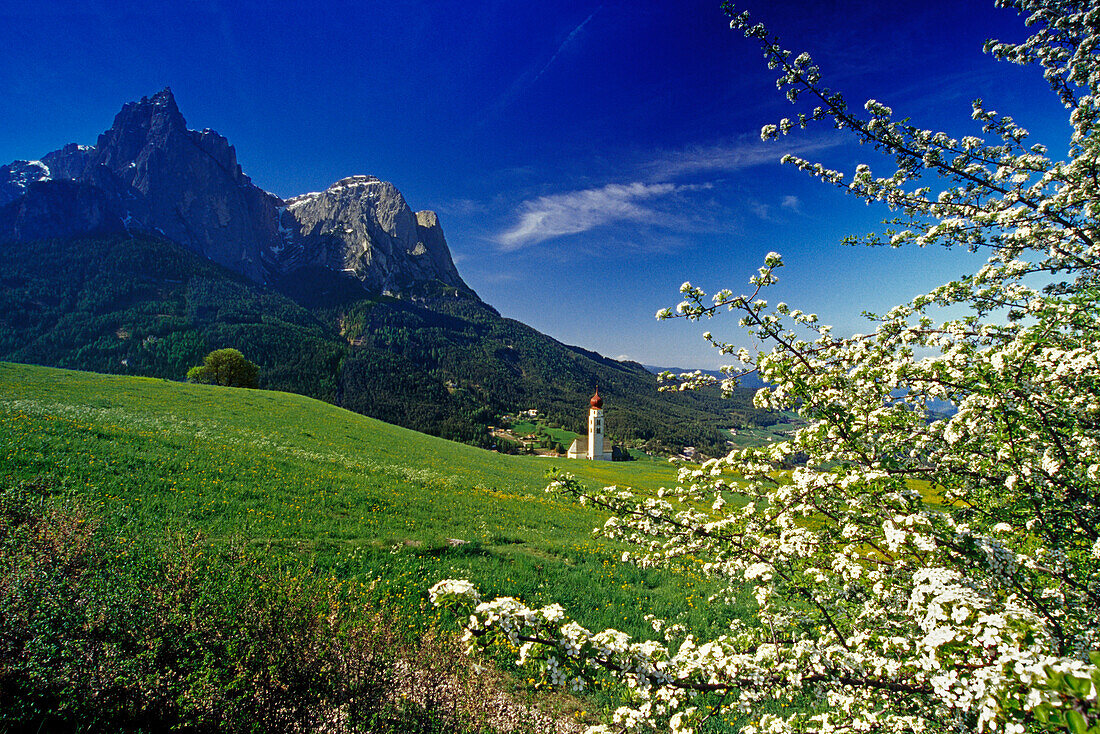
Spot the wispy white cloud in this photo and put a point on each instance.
(760, 209)
(791, 202)
(729, 156)
(647, 199)
(573, 212)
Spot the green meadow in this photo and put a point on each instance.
(745, 437)
(297, 482)
(561, 435)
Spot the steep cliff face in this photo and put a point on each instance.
(155, 175)
(430, 234)
(187, 184)
(364, 227)
(69, 162)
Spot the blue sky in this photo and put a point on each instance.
(585, 157)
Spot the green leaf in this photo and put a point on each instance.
(1080, 686)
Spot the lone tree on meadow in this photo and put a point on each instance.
(970, 606)
(226, 367)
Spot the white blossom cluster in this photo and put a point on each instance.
(910, 574)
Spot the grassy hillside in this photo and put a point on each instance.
(364, 501)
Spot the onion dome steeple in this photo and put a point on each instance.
(596, 401)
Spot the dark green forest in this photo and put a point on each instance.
(442, 362)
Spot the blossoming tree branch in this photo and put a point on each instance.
(909, 575)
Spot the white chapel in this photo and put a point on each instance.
(592, 445)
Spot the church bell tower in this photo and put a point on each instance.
(595, 427)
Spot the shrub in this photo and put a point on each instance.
(226, 367)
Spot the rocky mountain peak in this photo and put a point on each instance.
(156, 175)
(153, 121)
(70, 162)
(430, 234)
(363, 226)
(358, 181)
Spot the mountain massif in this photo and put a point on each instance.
(142, 252)
(150, 174)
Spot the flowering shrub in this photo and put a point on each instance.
(910, 575)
